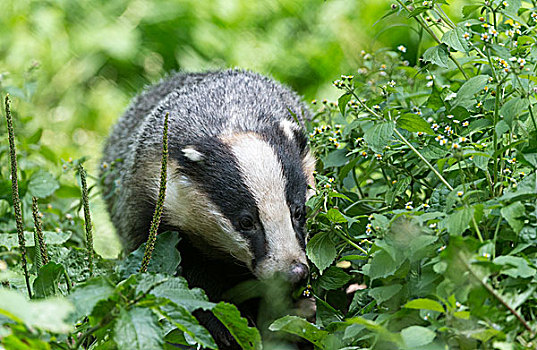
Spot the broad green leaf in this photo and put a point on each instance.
(48, 314)
(512, 109)
(381, 294)
(335, 158)
(187, 323)
(515, 215)
(471, 87)
(11, 240)
(458, 221)
(519, 267)
(85, 296)
(437, 55)
(381, 265)
(454, 39)
(42, 184)
(247, 337)
(321, 250)
(302, 328)
(335, 215)
(48, 278)
(379, 135)
(165, 258)
(333, 278)
(342, 102)
(413, 123)
(137, 329)
(415, 336)
(176, 290)
(424, 304)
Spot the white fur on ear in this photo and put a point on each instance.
(191, 153)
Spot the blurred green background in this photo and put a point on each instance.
(73, 65)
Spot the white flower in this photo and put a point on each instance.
(401, 48)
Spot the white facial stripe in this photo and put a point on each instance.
(191, 153)
(308, 164)
(288, 127)
(189, 209)
(263, 175)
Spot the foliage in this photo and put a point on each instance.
(423, 226)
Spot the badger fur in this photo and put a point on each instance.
(238, 174)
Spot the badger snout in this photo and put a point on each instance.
(298, 272)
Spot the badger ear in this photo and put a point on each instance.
(191, 153)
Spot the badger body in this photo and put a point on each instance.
(238, 174)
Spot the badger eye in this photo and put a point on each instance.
(298, 213)
(246, 223)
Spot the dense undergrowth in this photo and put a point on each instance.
(423, 228)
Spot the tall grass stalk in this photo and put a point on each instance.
(160, 202)
(15, 194)
(87, 217)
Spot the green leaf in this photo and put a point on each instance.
(379, 136)
(85, 296)
(469, 9)
(300, 327)
(47, 280)
(454, 39)
(424, 304)
(48, 314)
(42, 184)
(11, 240)
(335, 158)
(321, 250)
(413, 123)
(415, 336)
(384, 293)
(333, 278)
(335, 215)
(381, 265)
(518, 267)
(165, 258)
(342, 102)
(514, 214)
(437, 55)
(247, 337)
(471, 87)
(513, 109)
(137, 329)
(176, 290)
(458, 221)
(187, 323)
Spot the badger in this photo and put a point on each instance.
(239, 173)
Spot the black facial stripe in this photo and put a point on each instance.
(219, 176)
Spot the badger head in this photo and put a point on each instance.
(243, 194)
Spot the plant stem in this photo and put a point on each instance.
(150, 246)
(87, 217)
(15, 194)
(351, 242)
(41, 248)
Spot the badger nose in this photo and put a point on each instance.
(298, 272)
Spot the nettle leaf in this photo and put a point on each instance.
(176, 290)
(454, 39)
(513, 109)
(302, 328)
(187, 323)
(384, 293)
(247, 337)
(321, 250)
(514, 214)
(335, 215)
(471, 87)
(138, 329)
(437, 55)
(381, 265)
(458, 221)
(333, 278)
(165, 258)
(413, 123)
(519, 267)
(47, 280)
(11, 240)
(85, 296)
(342, 102)
(49, 314)
(379, 135)
(415, 336)
(424, 304)
(335, 158)
(42, 184)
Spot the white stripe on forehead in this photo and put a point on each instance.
(263, 175)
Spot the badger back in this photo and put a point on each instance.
(238, 170)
